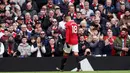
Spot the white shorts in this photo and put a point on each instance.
(74, 48)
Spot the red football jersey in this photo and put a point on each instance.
(71, 33)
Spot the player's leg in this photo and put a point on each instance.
(75, 52)
(64, 60)
(77, 60)
(65, 56)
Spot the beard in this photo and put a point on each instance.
(123, 35)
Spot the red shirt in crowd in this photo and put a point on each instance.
(111, 40)
(71, 33)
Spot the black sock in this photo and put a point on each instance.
(63, 62)
(78, 62)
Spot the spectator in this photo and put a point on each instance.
(11, 47)
(121, 43)
(8, 19)
(96, 46)
(37, 29)
(2, 49)
(62, 23)
(15, 27)
(96, 42)
(115, 26)
(51, 49)
(11, 5)
(64, 6)
(108, 26)
(78, 18)
(109, 7)
(33, 3)
(36, 32)
(37, 24)
(5, 2)
(61, 26)
(109, 39)
(58, 14)
(17, 12)
(120, 2)
(102, 19)
(33, 41)
(35, 19)
(29, 9)
(20, 21)
(90, 20)
(53, 27)
(121, 11)
(110, 16)
(94, 5)
(24, 32)
(44, 38)
(14, 8)
(44, 8)
(42, 15)
(2, 11)
(101, 9)
(29, 27)
(81, 4)
(80, 31)
(87, 10)
(84, 48)
(47, 21)
(125, 18)
(28, 18)
(5, 37)
(24, 48)
(97, 24)
(50, 5)
(59, 42)
(72, 12)
(83, 14)
(38, 49)
(11, 31)
(84, 25)
(51, 15)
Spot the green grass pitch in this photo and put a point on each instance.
(127, 71)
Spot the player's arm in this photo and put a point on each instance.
(67, 36)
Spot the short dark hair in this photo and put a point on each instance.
(24, 37)
(124, 29)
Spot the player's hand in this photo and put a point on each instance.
(68, 46)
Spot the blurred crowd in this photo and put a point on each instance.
(36, 28)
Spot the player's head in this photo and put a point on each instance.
(67, 18)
